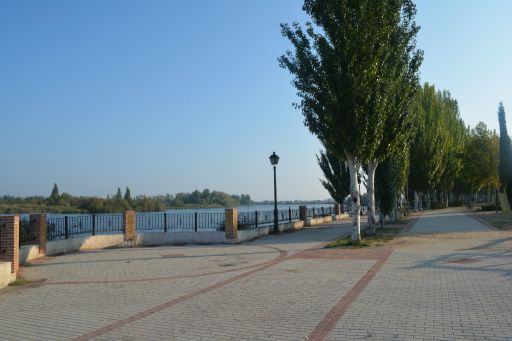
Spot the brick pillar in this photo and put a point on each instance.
(129, 225)
(337, 209)
(38, 224)
(10, 241)
(231, 223)
(303, 213)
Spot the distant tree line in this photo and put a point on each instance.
(119, 202)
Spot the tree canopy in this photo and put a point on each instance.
(356, 69)
(505, 170)
(337, 178)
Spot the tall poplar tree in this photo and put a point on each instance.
(356, 69)
(505, 154)
(337, 175)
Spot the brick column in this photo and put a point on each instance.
(231, 223)
(303, 213)
(10, 241)
(38, 224)
(129, 225)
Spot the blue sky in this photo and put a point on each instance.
(171, 96)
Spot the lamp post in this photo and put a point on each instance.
(359, 183)
(274, 159)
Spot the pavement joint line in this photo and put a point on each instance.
(163, 278)
(325, 327)
(108, 328)
(283, 256)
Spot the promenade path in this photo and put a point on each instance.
(449, 278)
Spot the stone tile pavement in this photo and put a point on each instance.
(449, 279)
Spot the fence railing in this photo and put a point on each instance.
(318, 212)
(255, 219)
(28, 234)
(195, 221)
(66, 227)
(80, 225)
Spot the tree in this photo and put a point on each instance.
(337, 175)
(355, 77)
(438, 144)
(453, 158)
(55, 196)
(127, 195)
(390, 180)
(481, 159)
(505, 169)
(119, 195)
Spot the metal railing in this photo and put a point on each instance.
(318, 212)
(194, 221)
(28, 234)
(255, 219)
(66, 227)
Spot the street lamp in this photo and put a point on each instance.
(359, 182)
(274, 159)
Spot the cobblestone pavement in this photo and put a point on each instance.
(449, 279)
(425, 285)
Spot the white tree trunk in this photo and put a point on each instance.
(356, 203)
(416, 202)
(372, 218)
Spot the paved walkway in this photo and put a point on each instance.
(426, 285)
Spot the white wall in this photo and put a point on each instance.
(5, 274)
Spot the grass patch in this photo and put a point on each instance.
(19, 281)
(347, 242)
(380, 237)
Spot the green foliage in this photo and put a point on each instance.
(127, 195)
(347, 242)
(54, 196)
(337, 177)
(356, 73)
(505, 170)
(438, 146)
(390, 179)
(481, 160)
(119, 195)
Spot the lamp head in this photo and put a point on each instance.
(274, 159)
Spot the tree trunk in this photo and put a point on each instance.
(356, 203)
(416, 202)
(372, 218)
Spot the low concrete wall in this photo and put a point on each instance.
(5, 274)
(28, 253)
(180, 238)
(318, 221)
(341, 216)
(56, 247)
(245, 235)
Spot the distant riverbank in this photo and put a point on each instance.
(56, 209)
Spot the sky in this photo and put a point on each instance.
(173, 96)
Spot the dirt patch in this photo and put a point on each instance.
(21, 284)
(501, 220)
